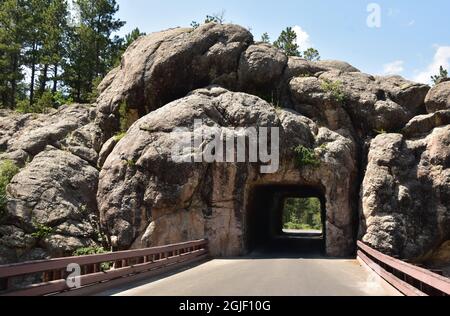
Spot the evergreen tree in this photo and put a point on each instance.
(265, 38)
(92, 51)
(287, 42)
(311, 54)
(56, 31)
(12, 37)
(443, 74)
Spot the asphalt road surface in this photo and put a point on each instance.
(266, 275)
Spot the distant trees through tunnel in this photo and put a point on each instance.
(302, 214)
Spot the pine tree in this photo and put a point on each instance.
(311, 54)
(92, 51)
(56, 31)
(12, 37)
(443, 74)
(287, 42)
(34, 40)
(265, 38)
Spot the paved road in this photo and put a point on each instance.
(262, 275)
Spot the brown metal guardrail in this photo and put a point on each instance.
(52, 275)
(410, 280)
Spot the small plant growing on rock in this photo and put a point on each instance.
(8, 170)
(380, 132)
(306, 157)
(42, 231)
(335, 89)
(118, 137)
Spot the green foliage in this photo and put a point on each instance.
(130, 163)
(8, 169)
(88, 251)
(311, 54)
(93, 95)
(41, 231)
(306, 157)
(380, 132)
(335, 89)
(265, 38)
(58, 52)
(195, 25)
(60, 99)
(42, 105)
(118, 137)
(302, 214)
(287, 42)
(216, 18)
(126, 119)
(443, 74)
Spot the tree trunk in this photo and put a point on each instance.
(43, 80)
(33, 73)
(55, 78)
(15, 63)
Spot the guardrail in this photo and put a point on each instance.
(52, 275)
(407, 278)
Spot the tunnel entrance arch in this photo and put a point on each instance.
(264, 219)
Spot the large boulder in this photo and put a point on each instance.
(51, 209)
(438, 98)
(51, 206)
(358, 102)
(148, 199)
(165, 66)
(405, 195)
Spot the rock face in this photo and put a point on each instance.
(406, 194)
(382, 145)
(51, 209)
(146, 199)
(438, 98)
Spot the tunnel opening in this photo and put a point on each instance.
(302, 216)
(269, 227)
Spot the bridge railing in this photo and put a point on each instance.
(56, 275)
(407, 278)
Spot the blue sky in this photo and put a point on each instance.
(413, 38)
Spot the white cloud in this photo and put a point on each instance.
(412, 23)
(394, 68)
(303, 39)
(441, 58)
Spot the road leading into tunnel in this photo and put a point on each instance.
(263, 274)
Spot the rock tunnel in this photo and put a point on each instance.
(264, 223)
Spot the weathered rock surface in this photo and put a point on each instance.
(357, 102)
(51, 209)
(438, 98)
(146, 199)
(406, 194)
(165, 66)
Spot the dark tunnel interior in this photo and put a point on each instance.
(264, 229)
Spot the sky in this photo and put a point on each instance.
(409, 38)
